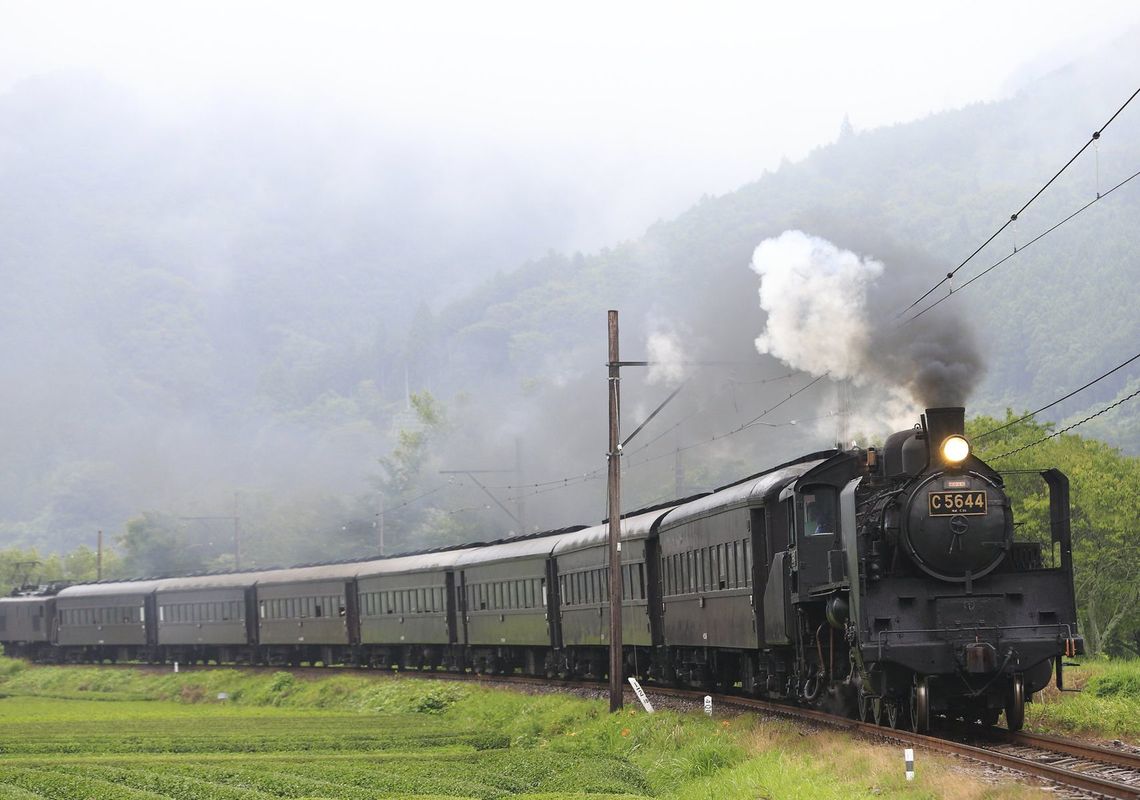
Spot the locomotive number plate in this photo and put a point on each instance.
(949, 504)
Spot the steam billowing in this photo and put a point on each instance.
(830, 311)
(816, 298)
(666, 357)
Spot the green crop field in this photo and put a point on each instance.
(57, 748)
(104, 734)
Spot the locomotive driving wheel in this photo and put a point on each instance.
(920, 706)
(1015, 703)
(877, 709)
(864, 701)
(892, 709)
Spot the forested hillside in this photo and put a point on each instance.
(192, 331)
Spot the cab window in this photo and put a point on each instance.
(820, 511)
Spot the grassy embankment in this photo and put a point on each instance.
(117, 733)
(1108, 705)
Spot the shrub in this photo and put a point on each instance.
(1121, 680)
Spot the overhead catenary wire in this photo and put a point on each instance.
(1066, 429)
(783, 377)
(552, 486)
(416, 499)
(589, 475)
(1058, 400)
(1021, 249)
(690, 415)
(1013, 217)
(653, 414)
(740, 428)
(546, 487)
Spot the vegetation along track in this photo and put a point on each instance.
(1089, 768)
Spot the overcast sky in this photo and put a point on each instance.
(656, 102)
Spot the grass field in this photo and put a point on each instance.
(118, 733)
(1107, 705)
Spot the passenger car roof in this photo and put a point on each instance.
(635, 527)
(224, 580)
(518, 548)
(322, 572)
(30, 598)
(423, 562)
(752, 491)
(110, 588)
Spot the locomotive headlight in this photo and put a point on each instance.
(955, 449)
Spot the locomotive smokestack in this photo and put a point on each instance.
(943, 422)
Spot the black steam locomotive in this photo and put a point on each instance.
(888, 584)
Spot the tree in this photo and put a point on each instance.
(846, 129)
(19, 567)
(1105, 515)
(402, 467)
(155, 544)
(401, 486)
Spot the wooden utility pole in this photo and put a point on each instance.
(614, 457)
(237, 534)
(678, 469)
(520, 502)
(380, 519)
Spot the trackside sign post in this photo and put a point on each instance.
(641, 694)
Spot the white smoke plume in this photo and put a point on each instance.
(816, 298)
(666, 357)
(820, 302)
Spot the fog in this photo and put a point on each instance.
(629, 113)
(236, 241)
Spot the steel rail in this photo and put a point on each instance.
(1072, 778)
(1076, 749)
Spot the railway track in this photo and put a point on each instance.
(1088, 768)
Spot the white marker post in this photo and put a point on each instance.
(708, 705)
(641, 695)
(176, 666)
(908, 758)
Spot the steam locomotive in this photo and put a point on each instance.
(887, 583)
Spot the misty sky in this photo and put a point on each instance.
(224, 219)
(651, 105)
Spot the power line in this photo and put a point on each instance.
(546, 487)
(569, 479)
(690, 415)
(415, 499)
(1065, 430)
(572, 480)
(1013, 217)
(803, 388)
(1059, 400)
(655, 412)
(785, 376)
(549, 489)
(751, 423)
(1032, 241)
(663, 433)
